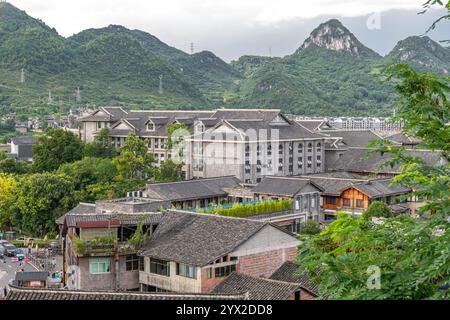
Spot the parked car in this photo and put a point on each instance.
(2, 242)
(10, 250)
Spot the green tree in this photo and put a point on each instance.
(41, 198)
(134, 161)
(412, 255)
(377, 209)
(310, 227)
(101, 146)
(12, 166)
(169, 171)
(8, 187)
(89, 171)
(55, 148)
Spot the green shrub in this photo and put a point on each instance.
(377, 209)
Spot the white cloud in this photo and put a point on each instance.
(72, 16)
(228, 27)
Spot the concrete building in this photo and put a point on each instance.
(95, 238)
(252, 144)
(22, 148)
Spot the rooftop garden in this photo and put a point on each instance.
(244, 210)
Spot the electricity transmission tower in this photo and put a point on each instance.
(160, 90)
(78, 95)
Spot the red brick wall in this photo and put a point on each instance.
(265, 263)
(209, 284)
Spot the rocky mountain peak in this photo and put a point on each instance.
(333, 35)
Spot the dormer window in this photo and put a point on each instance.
(200, 128)
(150, 126)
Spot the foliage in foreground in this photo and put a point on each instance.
(412, 255)
(409, 257)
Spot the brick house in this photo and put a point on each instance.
(192, 252)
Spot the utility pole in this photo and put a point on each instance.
(192, 48)
(50, 99)
(22, 76)
(270, 52)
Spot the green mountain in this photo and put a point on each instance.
(423, 53)
(211, 75)
(109, 66)
(331, 73)
(247, 64)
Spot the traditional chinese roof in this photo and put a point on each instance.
(19, 293)
(257, 288)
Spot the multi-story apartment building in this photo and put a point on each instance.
(253, 143)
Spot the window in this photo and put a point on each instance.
(319, 147)
(224, 271)
(160, 267)
(208, 272)
(300, 148)
(99, 265)
(280, 149)
(141, 264)
(185, 270)
(269, 150)
(132, 262)
(99, 125)
(347, 202)
(309, 147)
(330, 200)
(360, 203)
(150, 126)
(313, 202)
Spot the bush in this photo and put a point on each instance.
(79, 245)
(249, 210)
(310, 227)
(377, 209)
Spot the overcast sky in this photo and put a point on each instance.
(231, 28)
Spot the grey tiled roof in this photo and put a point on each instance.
(257, 288)
(23, 140)
(314, 124)
(265, 115)
(353, 160)
(284, 132)
(124, 218)
(290, 272)
(281, 186)
(192, 189)
(334, 186)
(381, 188)
(81, 208)
(403, 139)
(19, 293)
(198, 239)
(6, 148)
(355, 138)
(31, 276)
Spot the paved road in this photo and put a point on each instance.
(8, 271)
